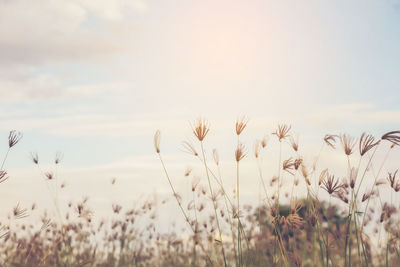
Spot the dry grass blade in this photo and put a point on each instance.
(367, 142)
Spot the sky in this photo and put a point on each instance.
(96, 79)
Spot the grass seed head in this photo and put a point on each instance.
(13, 138)
(59, 156)
(367, 142)
(241, 124)
(282, 132)
(3, 176)
(294, 141)
(157, 141)
(348, 143)
(240, 152)
(35, 158)
(330, 140)
(188, 147)
(393, 137)
(200, 128)
(216, 156)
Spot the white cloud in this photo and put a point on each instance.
(38, 35)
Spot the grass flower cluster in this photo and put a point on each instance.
(307, 215)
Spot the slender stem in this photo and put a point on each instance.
(237, 214)
(229, 217)
(226, 195)
(214, 203)
(4, 160)
(182, 210)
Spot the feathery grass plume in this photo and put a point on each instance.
(200, 128)
(157, 141)
(305, 174)
(46, 223)
(13, 138)
(215, 156)
(35, 157)
(241, 123)
(4, 232)
(322, 176)
(367, 142)
(264, 141)
(49, 175)
(394, 183)
(288, 165)
(348, 143)
(330, 140)
(367, 195)
(393, 137)
(257, 148)
(282, 132)
(187, 172)
(297, 163)
(295, 206)
(331, 185)
(240, 152)
(295, 221)
(58, 157)
(341, 195)
(353, 177)
(195, 183)
(188, 147)
(294, 141)
(3, 176)
(19, 212)
(116, 208)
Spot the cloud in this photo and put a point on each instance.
(38, 36)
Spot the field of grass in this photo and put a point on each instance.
(335, 222)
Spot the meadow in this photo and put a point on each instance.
(306, 215)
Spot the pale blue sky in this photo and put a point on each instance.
(95, 79)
